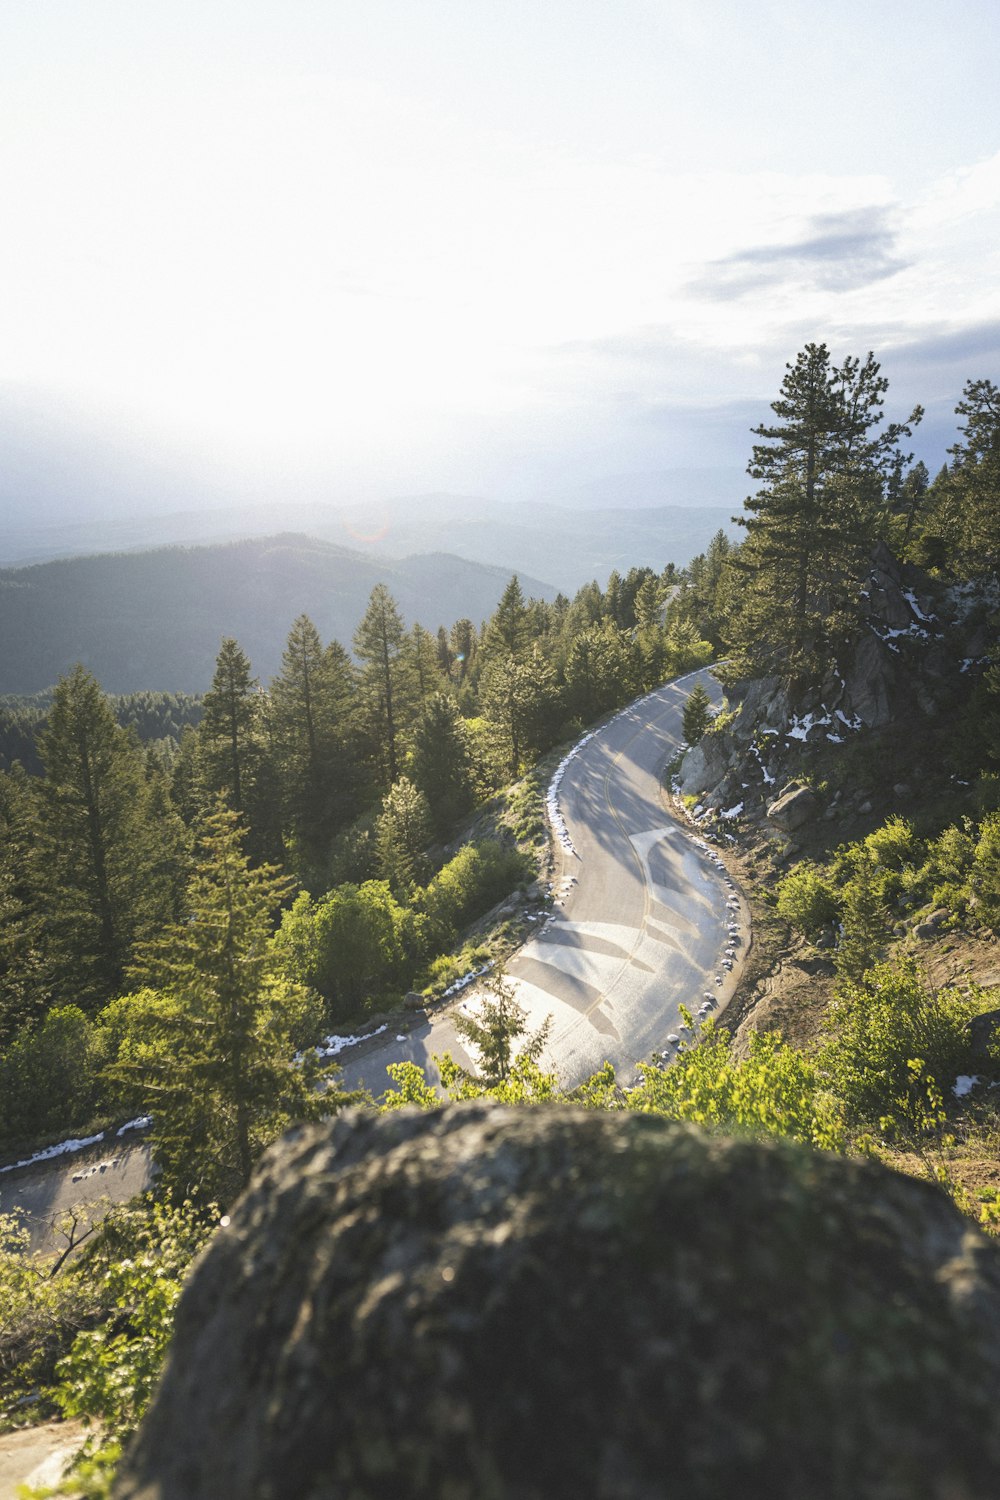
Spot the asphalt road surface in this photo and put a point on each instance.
(643, 916)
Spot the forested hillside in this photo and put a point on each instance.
(153, 620)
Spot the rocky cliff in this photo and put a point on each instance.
(526, 1304)
(920, 646)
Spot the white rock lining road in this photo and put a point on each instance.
(645, 918)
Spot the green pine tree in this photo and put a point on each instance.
(110, 847)
(441, 762)
(213, 1050)
(379, 643)
(402, 834)
(315, 755)
(697, 714)
(828, 476)
(498, 1033)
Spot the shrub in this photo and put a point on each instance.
(894, 844)
(879, 1028)
(807, 899)
(49, 1077)
(477, 878)
(350, 945)
(985, 878)
(774, 1090)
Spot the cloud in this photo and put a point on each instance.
(975, 342)
(839, 253)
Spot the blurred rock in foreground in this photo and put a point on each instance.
(484, 1302)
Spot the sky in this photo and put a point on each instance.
(352, 248)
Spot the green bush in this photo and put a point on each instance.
(774, 1090)
(350, 945)
(879, 1028)
(807, 899)
(943, 878)
(985, 877)
(50, 1077)
(894, 845)
(477, 878)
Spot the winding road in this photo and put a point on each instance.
(643, 915)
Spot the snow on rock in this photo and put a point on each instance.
(911, 600)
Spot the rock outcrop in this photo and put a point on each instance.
(916, 640)
(484, 1303)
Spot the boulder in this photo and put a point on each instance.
(414, 1000)
(489, 1303)
(706, 764)
(794, 807)
(983, 1034)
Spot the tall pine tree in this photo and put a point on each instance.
(828, 475)
(109, 844)
(379, 643)
(214, 1047)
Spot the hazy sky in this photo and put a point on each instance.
(385, 245)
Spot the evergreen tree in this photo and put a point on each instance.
(614, 607)
(23, 987)
(507, 631)
(522, 699)
(311, 703)
(649, 632)
(967, 500)
(864, 919)
(697, 714)
(379, 641)
(463, 645)
(109, 844)
(496, 1030)
(441, 762)
(228, 734)
(402, 834)
(600, 671)
(214, 1048)
(445, 654)
(827, 476)
(425, 669)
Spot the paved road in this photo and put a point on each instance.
(108, 1172)
(641, 919)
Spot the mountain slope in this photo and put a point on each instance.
(155, 619)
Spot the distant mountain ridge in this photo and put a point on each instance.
(578, 543)
(155, 619)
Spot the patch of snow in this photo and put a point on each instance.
(139, 1123)
(964, 1084)
(467, 979)
(732, 812)
(64, 1148)
(331, 1045)
(911, 600)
